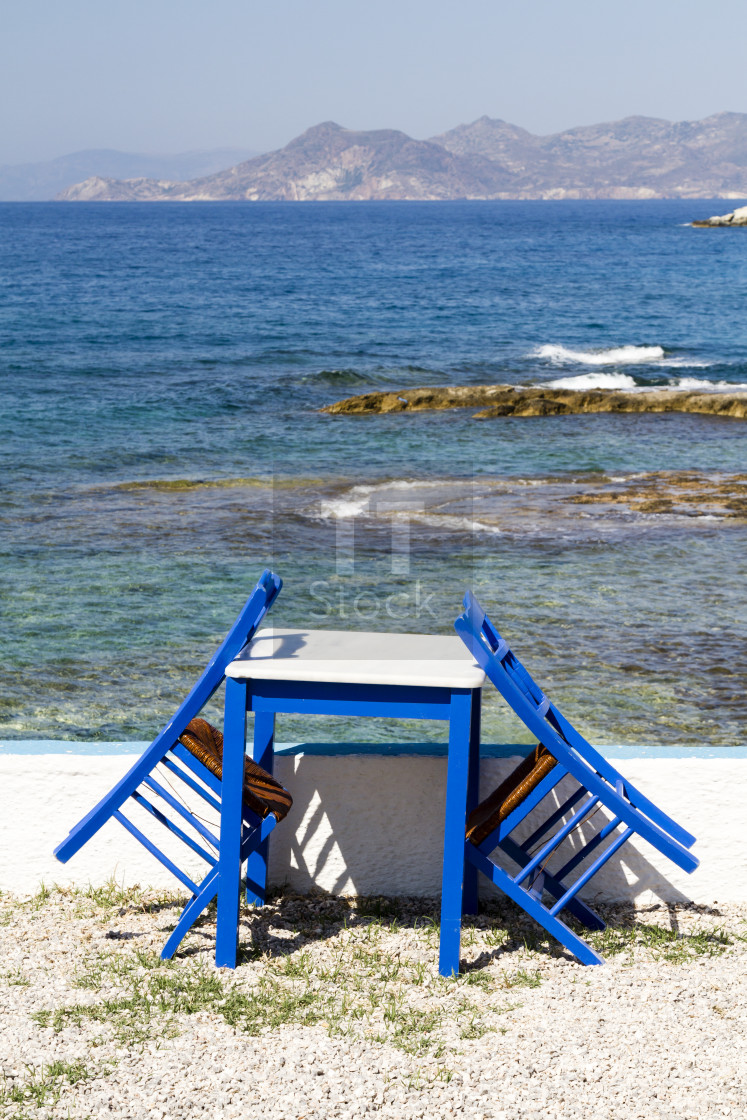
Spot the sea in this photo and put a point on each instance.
(162, 372)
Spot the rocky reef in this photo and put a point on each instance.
(737, 217)
(508, 400)
(679, 493)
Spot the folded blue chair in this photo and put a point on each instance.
(561, 753)
(189, 753)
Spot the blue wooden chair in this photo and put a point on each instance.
(189, 754)
(561, 753)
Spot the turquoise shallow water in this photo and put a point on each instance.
(162, 369)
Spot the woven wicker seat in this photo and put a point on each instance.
(262, 793)
(509, 794)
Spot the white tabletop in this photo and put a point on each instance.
(353, 657)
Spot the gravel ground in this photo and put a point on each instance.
(337, 1011)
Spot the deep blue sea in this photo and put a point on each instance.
(162, 367)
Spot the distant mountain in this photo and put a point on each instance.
(639, 157)
(38, 182)
(326, 162)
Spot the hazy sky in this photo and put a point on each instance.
(173, 75)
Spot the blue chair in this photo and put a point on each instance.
(561, 753)
(189, 752)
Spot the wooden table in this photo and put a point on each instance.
(351, 673)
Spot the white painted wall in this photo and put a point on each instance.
(367, 824)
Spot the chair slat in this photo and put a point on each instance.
(579, 856)
(154, 851)
(555, 840)
(591, 871)
(535, 909)
(554, 886)
(183, 812)
(173, 827)
(553, 819)
(188, 780)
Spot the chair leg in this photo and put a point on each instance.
(229, 862)
(455, 818)
(262, 753)
(581, 912)
(559, 930)
(191, 912)
(470, 894)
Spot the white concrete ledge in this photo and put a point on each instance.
(368, 820)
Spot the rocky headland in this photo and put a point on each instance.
(736, 217)
(495, 401)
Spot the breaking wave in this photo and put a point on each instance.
(616, 355)
(594, 381)
(583, 382)
(381, 497)
(698, 385)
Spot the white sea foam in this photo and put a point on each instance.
(593, 381)
(698, 385)
(616, 355)
(368, 500)
(583, 382)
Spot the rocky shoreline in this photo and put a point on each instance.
(736, 217)
(507, 400)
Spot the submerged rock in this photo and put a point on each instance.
(508, 400)
(737, 217)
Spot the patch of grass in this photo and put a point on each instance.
(495, 937)
(157, 992)
(41, 898)
(44, 1084)
(418, 973)
(413, 1030)
(475, 1028)
(297, 965)
(521, 978)
(99, 901)
(666, 944)
(476, 978)
(271, 1005)
(15, 978)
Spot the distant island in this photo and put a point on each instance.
(635, 158)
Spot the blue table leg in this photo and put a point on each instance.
(455, 817)
(263, 754)
(229, 859)
(470, 894)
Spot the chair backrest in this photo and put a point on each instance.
(242, 631)
(552, 729)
